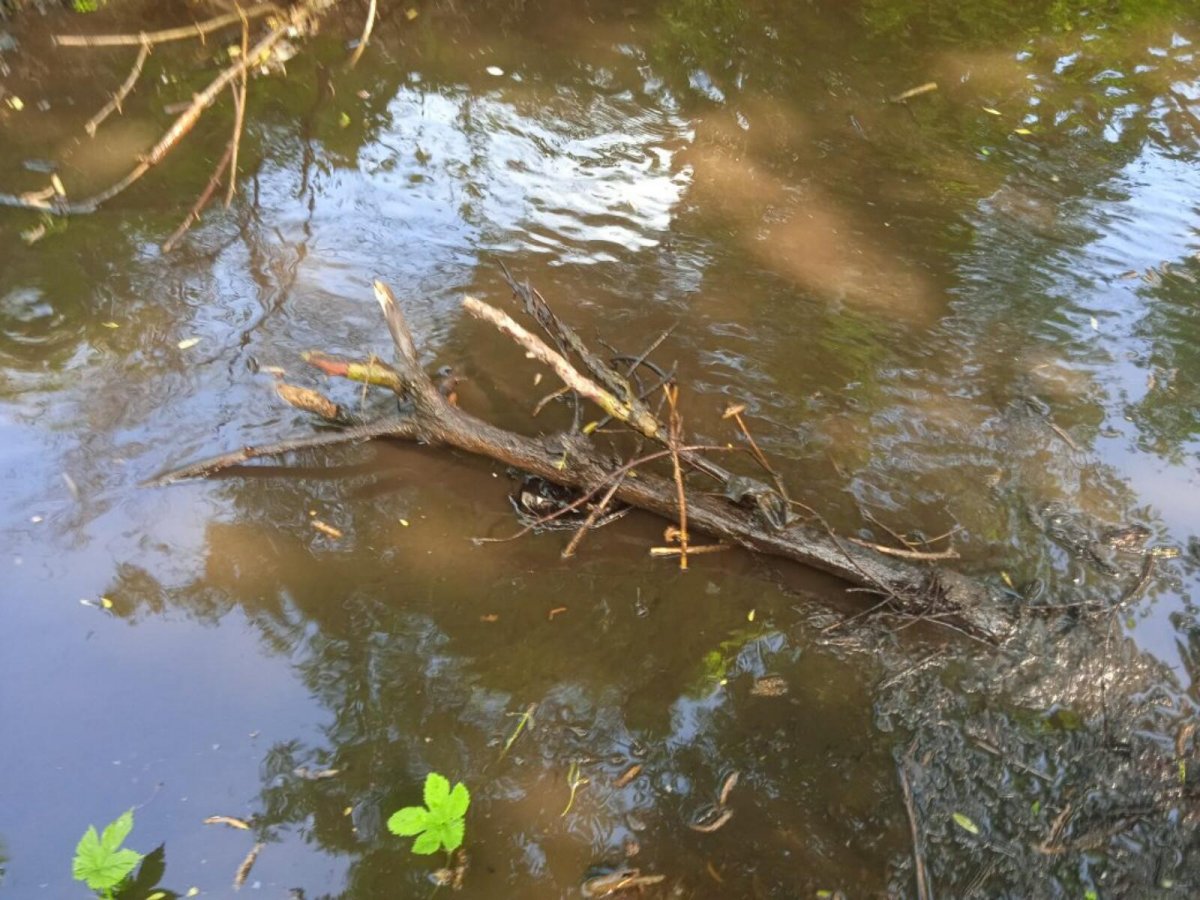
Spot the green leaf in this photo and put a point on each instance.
(452, 833)
(98, 863)
(437, 791)
(100, 869)
(408, 821)
(460, 799)
(115, 834)
(427, 842)
(965, 824)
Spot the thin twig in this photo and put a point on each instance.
(949, 553)
(675, 430)
(239, 115)
(182, 33)
(397, 426)
(693, 550)
(114, 103)
(918, 857)
(366, 35)
(587, 495)
(595, 514)
(202, 201)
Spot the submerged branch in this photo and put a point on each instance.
(114, 104)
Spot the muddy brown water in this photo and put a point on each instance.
(974, 310)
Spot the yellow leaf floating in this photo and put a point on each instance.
(410, 14)
(106, 603)
(1022, 131)
(109, 325)
(188, 343)
(991, 112)
(965, 824)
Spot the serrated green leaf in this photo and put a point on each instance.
(102, 870)
(965, 824)
(452, 834)
(117, 830)
(426, 843)
(437, 791)
(460, 799)
(86, 850)
(409, 821)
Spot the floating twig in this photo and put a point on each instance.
(926, 88)
(526, 718)
(692, 550)
(575, 780)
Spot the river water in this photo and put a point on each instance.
(971, 310)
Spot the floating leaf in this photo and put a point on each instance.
(991, 112)
(409, 821)
(410, 13)
(188, 343)
(438, 824)
(1022, 131)
(100, 862)
(494, 71)
(965, 824)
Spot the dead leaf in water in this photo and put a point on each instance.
(243, 870)
(315, 774)
(227, 820)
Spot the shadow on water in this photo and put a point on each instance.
(970, 311)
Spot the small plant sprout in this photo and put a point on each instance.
(439, 824)
(100, 861)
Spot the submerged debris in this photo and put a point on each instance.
(620, 880)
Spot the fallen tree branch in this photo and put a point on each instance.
(202, 201)
(114, 103)
(572, 460)
(296, 20)
(182, 33)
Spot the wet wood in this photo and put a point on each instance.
(913, 587)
